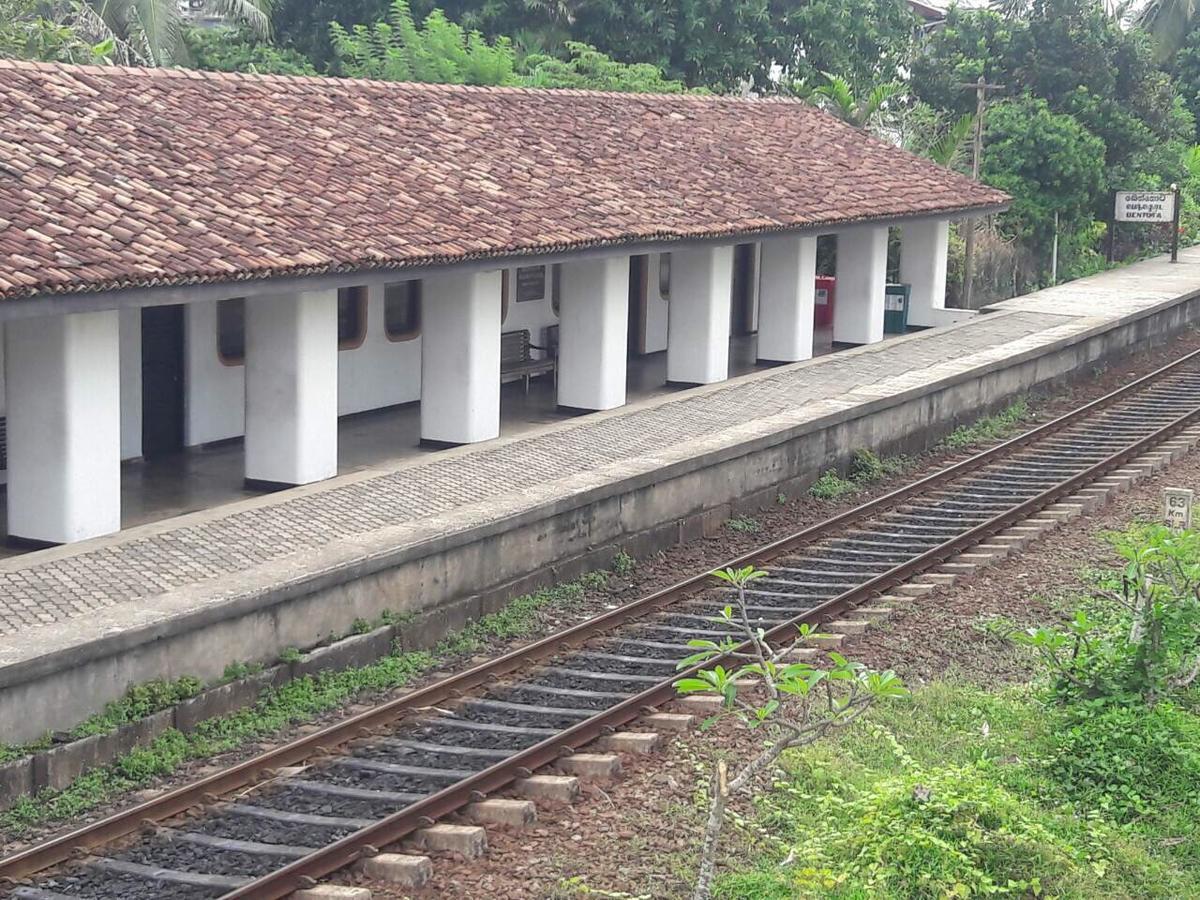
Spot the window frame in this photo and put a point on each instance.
(414, 293)
(359, 295)
(222, 357)
(664, 295)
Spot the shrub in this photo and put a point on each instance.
(832, 486)
(920, 832)
(744, 524)
(866, 467)
(1128, 761)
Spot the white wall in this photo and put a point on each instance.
(131, 383)
(380, 372)
(533, 315)
(377, 374)
(215, 394)
(656, 310)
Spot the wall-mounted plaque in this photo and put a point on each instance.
(531, 283)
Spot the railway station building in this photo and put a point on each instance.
(218, 283)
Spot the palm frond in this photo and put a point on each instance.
(945, 150)
(1168, 22)
(161, 29)
(254, 14)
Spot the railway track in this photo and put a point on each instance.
(277, 823)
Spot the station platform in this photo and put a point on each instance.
(440, 538)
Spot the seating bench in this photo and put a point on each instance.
(516, 357)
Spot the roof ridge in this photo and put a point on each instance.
(336, 81)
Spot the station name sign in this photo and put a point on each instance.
(1145, 206)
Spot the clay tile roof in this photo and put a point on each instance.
(113, 177)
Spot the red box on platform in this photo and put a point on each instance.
(823, 302)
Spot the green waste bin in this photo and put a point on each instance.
(895, 308)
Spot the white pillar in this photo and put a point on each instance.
(861, 282)
(787, 288)
(923, 251)
(698, 315)
(64, 427)
(291, 388)
(460, 358)
(593, 337)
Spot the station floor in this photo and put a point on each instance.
(59, 597)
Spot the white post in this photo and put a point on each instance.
(460, 358)
(861, 283)
(63, 383)
(923, 250)
(291, 388)
(698, 315)
(131, 383)
(787, 290)
(594, 317)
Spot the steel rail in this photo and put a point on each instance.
(350, 849)
(347, 850)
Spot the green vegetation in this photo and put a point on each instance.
(623, 564)
(990, 428)
(744, 525)
(949, 794)
(865, 469)
(297, 701)
(1085, 784)
(793, 704)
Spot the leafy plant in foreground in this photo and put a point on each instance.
(1147, 647)
(797, 702)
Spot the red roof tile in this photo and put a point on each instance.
(113, 177)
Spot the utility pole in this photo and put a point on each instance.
(981, 87)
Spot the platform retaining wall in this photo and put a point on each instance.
(444, 582)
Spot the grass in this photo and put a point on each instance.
(865, 469)
(744, 525)
(990, 428)
(297, 701)
(949, 794)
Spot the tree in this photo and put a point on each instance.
(439, 51)
(866, 42)
(838, 97)
(797, 703)
(589, 69)
(150, 32)
(29, 30)
(1168, 22)
(1048, 162)
(238, 50)
(303, 25)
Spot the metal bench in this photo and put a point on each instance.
(516, 356)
